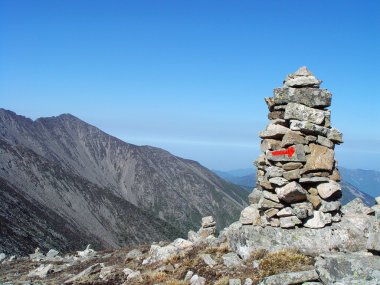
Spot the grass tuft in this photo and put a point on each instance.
(283, 261)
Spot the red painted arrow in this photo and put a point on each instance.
(288, 151)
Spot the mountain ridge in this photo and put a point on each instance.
(175, 190)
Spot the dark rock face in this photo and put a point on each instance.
(108, 188)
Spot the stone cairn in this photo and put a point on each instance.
(297, 176)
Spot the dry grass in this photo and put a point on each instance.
(175, 282)
(222, 281)
(221, 249)
(152, 277)
(283, 261)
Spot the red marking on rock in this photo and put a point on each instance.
(290, 151)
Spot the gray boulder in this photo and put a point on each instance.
(42, 271)
(231, 259)
(289, 222)
(326, 190)
(273, 131)
(158, 253)
(350, 234)
(311, 97)
(356, 207)
(373, 243)
(95, 268)
(303, 113)
(290, 278)
(134, 253)
(329, 206)
(208, 260)
(348, 268)
(291, 193)
(250, 215)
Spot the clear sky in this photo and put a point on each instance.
(190, 76)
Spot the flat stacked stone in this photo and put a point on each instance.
(297, 182)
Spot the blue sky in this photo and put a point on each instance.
(190, 76)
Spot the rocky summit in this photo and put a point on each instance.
(297, 181)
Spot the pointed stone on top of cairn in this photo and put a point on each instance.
(302, 78)
(297, 182)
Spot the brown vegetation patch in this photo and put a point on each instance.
(284, 261)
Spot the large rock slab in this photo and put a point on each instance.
(311, 97)
(292, 138)
(321, 158)
(273, 131)
(308, 128)
(291, 193)
(303, 113)
(348, 268)
(350, 234)
(290, 278)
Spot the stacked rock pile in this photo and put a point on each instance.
(208, 227)
(297, 176)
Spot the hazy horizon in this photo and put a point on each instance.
(190, 77)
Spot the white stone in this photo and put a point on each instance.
(88, 252)
(197, 280)
(279, 181)
(286, 212)
(208, 260)
(188, 275)
(326, 190)
(42, 271)
(319, 220)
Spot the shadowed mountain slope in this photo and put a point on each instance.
(107, 187)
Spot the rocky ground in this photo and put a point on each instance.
(226, 259)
